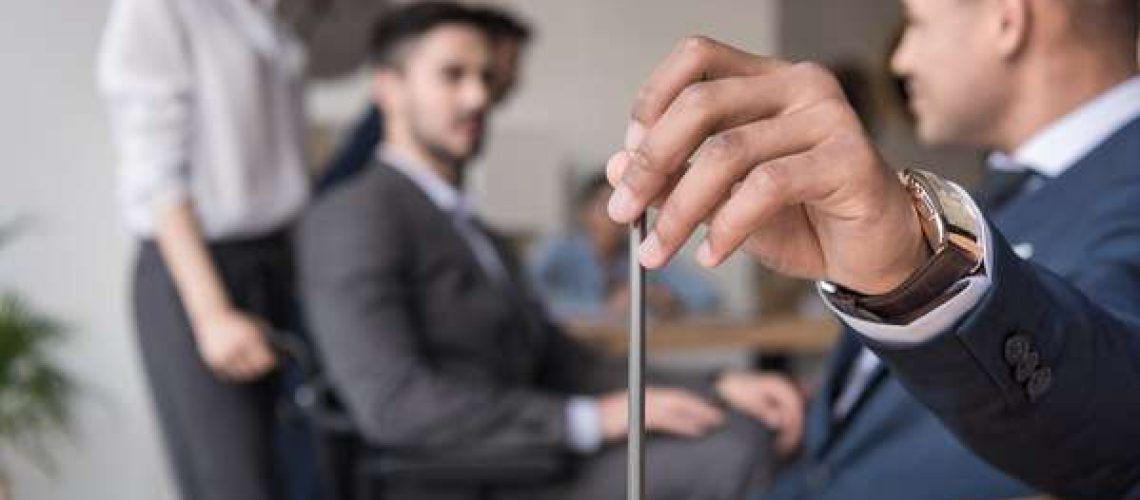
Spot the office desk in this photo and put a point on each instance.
(788, 335)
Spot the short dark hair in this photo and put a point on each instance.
(400, 25)
(1115, 18)
(503, 25)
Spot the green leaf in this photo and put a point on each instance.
(35, 394)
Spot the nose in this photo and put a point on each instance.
(900, 58)
(476, 92)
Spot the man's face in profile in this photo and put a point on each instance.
(954, 72)
(443, 90)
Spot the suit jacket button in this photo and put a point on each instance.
(1039, 383)
(1016, 347)
(1027, 366)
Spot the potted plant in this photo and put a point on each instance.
(34, 393)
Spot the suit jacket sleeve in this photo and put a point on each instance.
(1041, 377)
(354, 265)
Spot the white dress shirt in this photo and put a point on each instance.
(1050, 152)
(205, 100)
(582, 414)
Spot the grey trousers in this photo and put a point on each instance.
(219, 435)
(725, 465)
(729, 464)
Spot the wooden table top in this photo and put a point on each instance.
(776, 335)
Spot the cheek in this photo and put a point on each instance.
(433, 111)
(949, 73)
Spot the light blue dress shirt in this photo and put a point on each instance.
(575, 283)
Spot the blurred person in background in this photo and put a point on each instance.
(584, 276)
(431, 337)
(205, 98)
(509, 37)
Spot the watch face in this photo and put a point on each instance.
(927, 208)
(958, 222)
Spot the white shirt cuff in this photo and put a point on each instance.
(941, 318)
(585, 424)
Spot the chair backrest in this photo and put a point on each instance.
(338, 445)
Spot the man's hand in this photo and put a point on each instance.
(772, 399)
(671, 411)
(782, 168)
(234, 346)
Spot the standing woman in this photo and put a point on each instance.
(205, 100)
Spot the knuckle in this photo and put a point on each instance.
(767, 178)
(729, 227)
(810, 70)
(642, 182)
(696, 97)
(645, 102)
(834, 110)
(668, 226)
(817, 76)
(726, 147)
(697, 46)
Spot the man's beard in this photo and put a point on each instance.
(458, 163)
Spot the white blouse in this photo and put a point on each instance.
(206, 104)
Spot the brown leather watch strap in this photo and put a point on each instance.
(929, 287)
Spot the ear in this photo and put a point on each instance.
(1013, 21)
(386, 87)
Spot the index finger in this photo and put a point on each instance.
(695, 59)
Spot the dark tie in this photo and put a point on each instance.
(999, 187)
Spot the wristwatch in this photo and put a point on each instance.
(953, 232)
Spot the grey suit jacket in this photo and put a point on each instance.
(426, 349)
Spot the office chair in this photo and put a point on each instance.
(352, 469)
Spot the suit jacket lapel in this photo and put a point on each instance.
(438, 220)
(819, 422)
(442, 223)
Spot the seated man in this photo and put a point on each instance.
(430, 335)
(584, 275)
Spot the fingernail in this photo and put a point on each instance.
(651, 253)
(634, 133)
(705, 254)
(622, 207)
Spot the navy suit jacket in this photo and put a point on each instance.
(889, 447)
(355, 153)
(1042, 378)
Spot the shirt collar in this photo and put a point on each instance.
(442, 194)
(1063, 143)
(258, 22)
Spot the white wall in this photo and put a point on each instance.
(57, 168)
